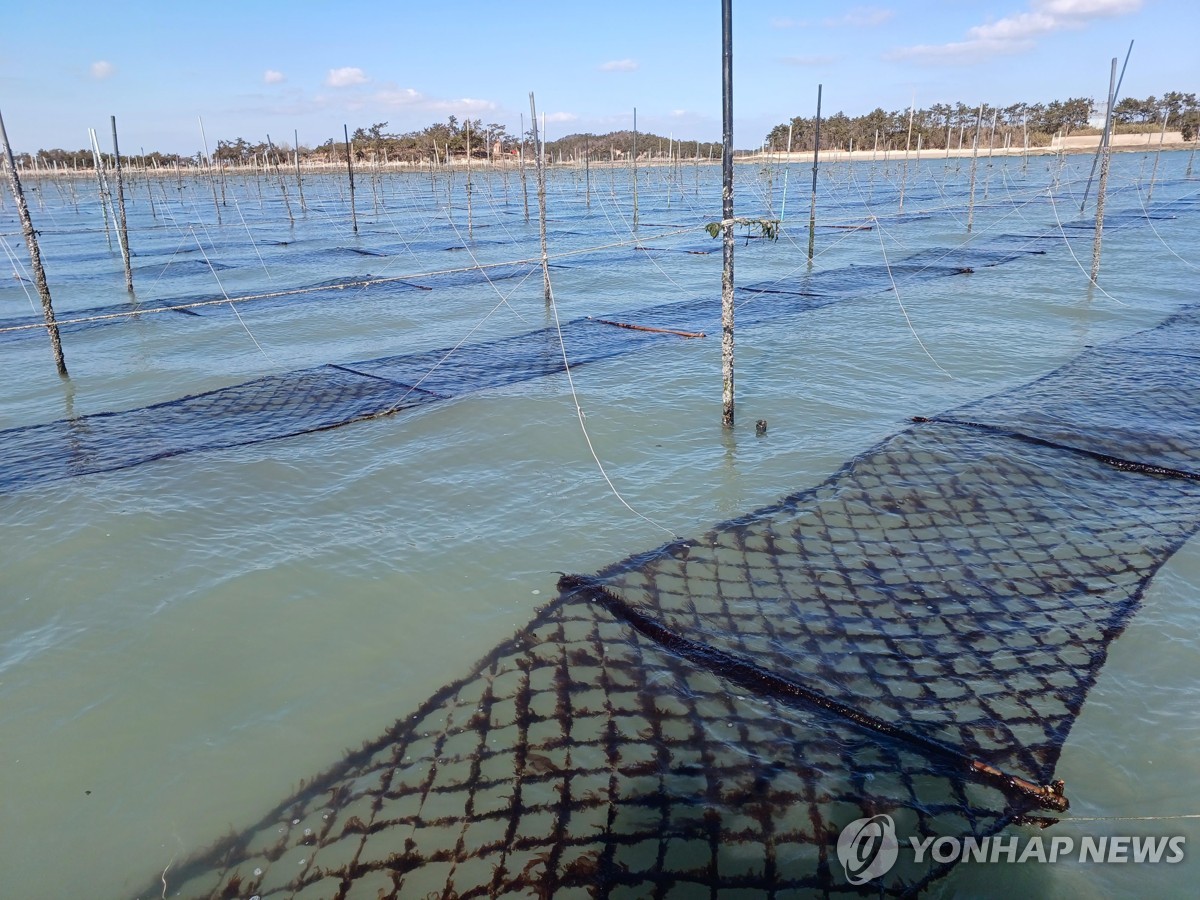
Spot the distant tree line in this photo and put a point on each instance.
(448, 141)
(944, 124)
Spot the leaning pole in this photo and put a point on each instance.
(35, 256)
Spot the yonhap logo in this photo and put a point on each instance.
(867, 848)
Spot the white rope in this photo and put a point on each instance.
(900, 303)
(211, 268)
(579, 413)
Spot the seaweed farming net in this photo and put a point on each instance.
(913, 637)
(322, 397)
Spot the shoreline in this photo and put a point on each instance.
(288, 171)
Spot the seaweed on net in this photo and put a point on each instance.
(308, 400)
(915, 637)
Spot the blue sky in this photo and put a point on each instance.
(259, 67)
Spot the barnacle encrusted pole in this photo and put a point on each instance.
(122, 227)
(974, 168)
(812, 208)
(539, 157)
(350, 170)
(35, 256)
(727, 223)
(1105, 158)
(633, 168)
(299, 181)
(470, 227)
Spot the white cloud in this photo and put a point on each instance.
(102, 69)
(271, 76)
(1017, 33)
(619, 65)
(561, 117)
(394, 96)
(861, 17)
(347, 76)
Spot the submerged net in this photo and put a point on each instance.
(322, 397)
(915, 637)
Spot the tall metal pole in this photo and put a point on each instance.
(727, 212)
(1108, 117)
(35, 256)
(812, 208)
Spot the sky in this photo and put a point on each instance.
(282, 67)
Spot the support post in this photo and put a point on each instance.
(122, 228)
(812, 208)
(1105, 157)
(727, 404)
(350, 170)
(35, 256)
(541, 185)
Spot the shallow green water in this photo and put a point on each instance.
(183, 641)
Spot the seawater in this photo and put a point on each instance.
(183, 641)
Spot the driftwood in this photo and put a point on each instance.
(778, 687)
(683, 334)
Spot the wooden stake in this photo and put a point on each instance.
(727, 391)
(35, 256)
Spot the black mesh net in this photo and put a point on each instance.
(913, 637)
(308, 400)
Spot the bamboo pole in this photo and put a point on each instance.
(812, 208)
(1105, 157)
(122, 228)
(350, 171)
(541, 184)
(35, 256)
(727, 392)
